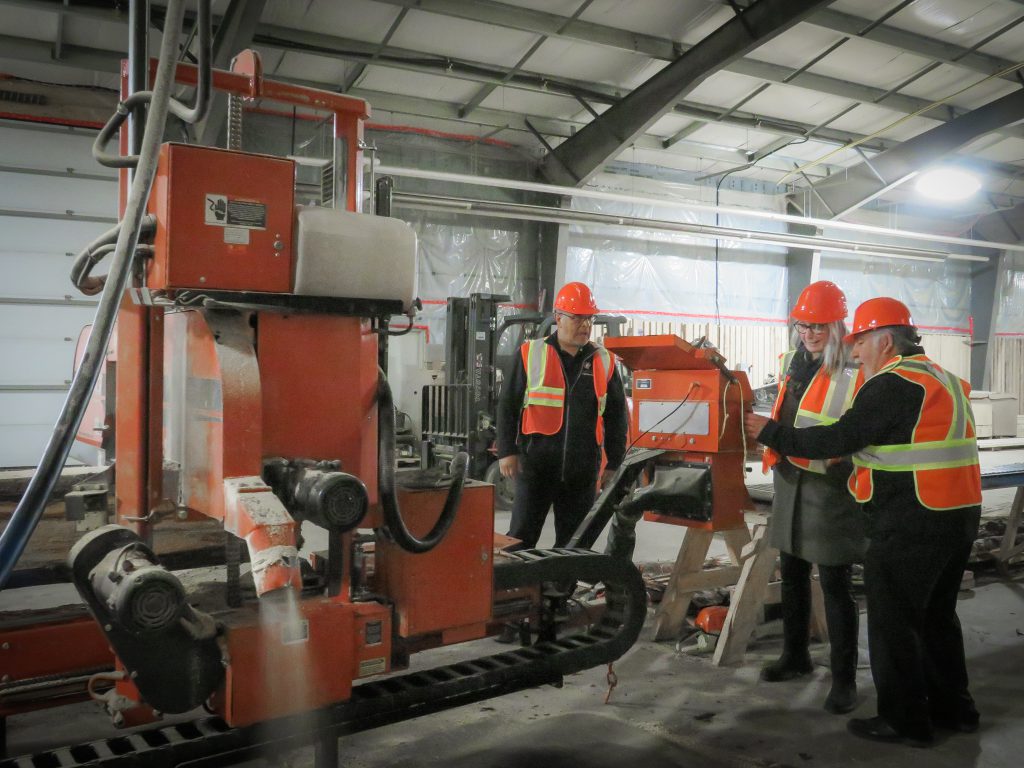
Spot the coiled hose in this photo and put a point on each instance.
(30, 509)
(394, 525)
(139, 99)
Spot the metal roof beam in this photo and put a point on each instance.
(928, 47)
(554, 25)
(78, 57)
(862, 183)
(603, 139)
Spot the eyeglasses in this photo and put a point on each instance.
(578, 319)
(810, 327)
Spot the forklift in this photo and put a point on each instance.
(461, 414)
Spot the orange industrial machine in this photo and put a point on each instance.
(251, 391)
(686, 461)
(689, 405)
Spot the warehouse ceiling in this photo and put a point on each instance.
(850, 98)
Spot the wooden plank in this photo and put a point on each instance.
(668, 620)
(819, 627)
(14, 481)
(748, 599)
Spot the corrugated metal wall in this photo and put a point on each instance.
(54, 199)
(1007, 361)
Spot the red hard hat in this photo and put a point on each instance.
(712, 619)
(878, 313)
(576, 299)
(820, 302)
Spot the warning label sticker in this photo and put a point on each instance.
(222, 211)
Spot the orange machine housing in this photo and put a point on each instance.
(686, 404)
(226, 217)
(420, 584)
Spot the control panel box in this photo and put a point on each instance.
(224, 220)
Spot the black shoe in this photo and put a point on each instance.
(964, 723)
(876, 729)
(786, 668)
(841, 699)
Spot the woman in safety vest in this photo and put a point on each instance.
(814, 519)
(911, 434)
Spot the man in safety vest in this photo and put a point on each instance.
(561, 402)
(911, 434)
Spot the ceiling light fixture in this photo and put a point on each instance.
(947, 184)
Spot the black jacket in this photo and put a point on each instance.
(574, 447)
(884, 412)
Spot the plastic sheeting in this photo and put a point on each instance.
(937, 293)
(461, 255)
(660, 275)
(458, 255)
(1010, 302)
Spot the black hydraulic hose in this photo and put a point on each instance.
(140, 98)
(205, 70)
(394, 524)
(30, 509)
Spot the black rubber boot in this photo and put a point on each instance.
(843, 617)
(796, 623)
(842, 698)
(787, 667)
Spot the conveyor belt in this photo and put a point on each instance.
(211, 742)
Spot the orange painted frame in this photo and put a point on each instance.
(140, 329)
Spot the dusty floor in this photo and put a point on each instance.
(674, 708)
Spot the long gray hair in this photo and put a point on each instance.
(836, 353)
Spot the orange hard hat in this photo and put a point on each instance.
(712, 619)
(820, 302)
(576, 299)
(878, 313)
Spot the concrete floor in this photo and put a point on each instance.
(674, 708)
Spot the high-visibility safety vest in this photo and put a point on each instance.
(943, 452)
(544, 398)
(824, 401)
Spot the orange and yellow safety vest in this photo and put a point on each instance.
(824, 401)
(544, 398)
(943, 452)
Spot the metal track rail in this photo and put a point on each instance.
(211, 742)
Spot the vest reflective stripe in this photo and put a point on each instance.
(536, 362)
(943, 452)
(824, 401)
(771, 457)
(544, 397)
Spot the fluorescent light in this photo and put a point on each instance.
(947, 184)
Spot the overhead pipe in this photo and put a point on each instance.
(520, 211)
(596, 194)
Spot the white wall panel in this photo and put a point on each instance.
(36, 275)
(55, 149)
(32, 192)
(26, 420)
(41, 314)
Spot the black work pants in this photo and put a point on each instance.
(539, 484)
(912, 574)
(842, 614)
